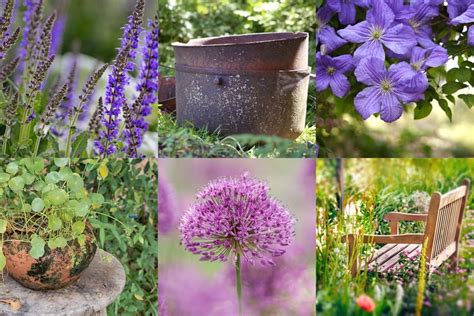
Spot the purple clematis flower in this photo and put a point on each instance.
(422, 59)
(387, 91)
(418, 15)
(326, 34)
(330, 72)
(377, 31)
(346, 10)
(462, 12)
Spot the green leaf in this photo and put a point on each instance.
(61, 162)
(37, 247)
(82, 208)
(58, 242)
(65, 173)
(4, 177)
(52, 177)
(54, 222)
(80, 144)
(453, 87)
(56, 196)
(3, 260)
(3, 226)
(28, 177)
(81, 239)
(75, 182)
(78, 227)
(16, 184)
(34, 165)
(422, 110)
(12, 168)
(459, 74)
(37, 205)
(97, 199)
(468, 99)
(444, 105)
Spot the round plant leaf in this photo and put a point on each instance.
(56, 196)
(61, 162)
(37, 247)
(54, 223)
(81, 239)
(78, 227)
(3, 226)
(58, 242)
(65, 173)
(12, 168)
(3, 260)
(4, 177)
(28, 177)
(52, 177)
(82, 208)
(37, 205)
(75, 183)
(103, 170)
(16, 184)
(34, 165)
(97, 199)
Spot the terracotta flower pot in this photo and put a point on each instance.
(58, 268)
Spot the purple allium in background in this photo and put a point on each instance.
(387, 92)
(166, 206)
(377, 31)
(326, 34)
(330, 73)
(236, 216)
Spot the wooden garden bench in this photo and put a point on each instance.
(443, 229)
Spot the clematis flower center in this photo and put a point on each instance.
(386, 86)
(376, 33)
(414, 24)
(330, 70)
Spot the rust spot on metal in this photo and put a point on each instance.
(253, 83)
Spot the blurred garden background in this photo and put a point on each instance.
(188, 286)
(182, 20)
(353, 195)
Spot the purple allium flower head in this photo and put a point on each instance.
(346, 9)
(387, 90)
(237, 216)
(377, 31)
(422, 59)
(166, 206)
(326, 34)
(330, 73)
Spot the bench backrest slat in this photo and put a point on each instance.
(444, 221)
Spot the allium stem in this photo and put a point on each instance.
(238, 283)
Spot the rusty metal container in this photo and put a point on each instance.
(253, 83)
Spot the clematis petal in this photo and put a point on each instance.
(466, 17)
(324, 15)
(380, 14)
(370, 71)
(400, 39)
(372, 48)
(339, 85)
(329, 38)
(322, 79)
(437, 56)
(344, 63)
(347, 15)
(401, 71)
(368, 102)
(470, 36)
(391, 108)
(358, 33)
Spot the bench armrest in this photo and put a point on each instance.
(386, 239)
(395, 217)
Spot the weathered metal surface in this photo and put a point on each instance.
(254, 83)
(98, 287)
(167, 94)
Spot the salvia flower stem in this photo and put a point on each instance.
(48, 115)
(83, 98)
(10, 116)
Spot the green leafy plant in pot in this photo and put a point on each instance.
(46, 240)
